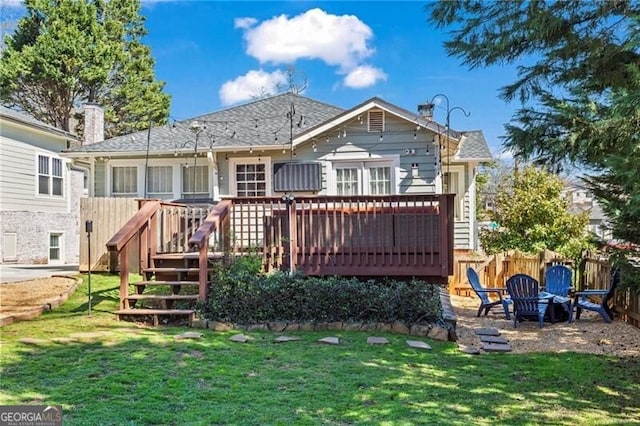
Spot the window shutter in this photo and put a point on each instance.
(296, 177)
(376, 120)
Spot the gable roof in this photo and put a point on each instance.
(265, 123)
(261, 123)
(27, 120)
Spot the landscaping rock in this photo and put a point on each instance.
(377, 340)
(384, 327)
(439, 333)
(400, 328)
(277, 326)
(307, 326)
(294, 326)
(418, 344)
(199, 323)
(334, 326)
(220, 326)
(352, 326)
(420, 329)
(330, 340)
(239, 338)
(189, 335)
(259, 327)
(369, 326)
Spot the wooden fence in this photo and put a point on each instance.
(108, 216)
(494, 271)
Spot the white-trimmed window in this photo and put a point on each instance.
(374, 177)
(159, 182)
(195, 181)
(250, 177)
(124, 181)
(453, 183)
(55, 247)
(50, 175)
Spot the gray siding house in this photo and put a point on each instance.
(291, 144)
(39, 192)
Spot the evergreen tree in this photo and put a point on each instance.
(65, 53)
(578, 82)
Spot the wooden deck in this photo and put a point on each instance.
(367, 236)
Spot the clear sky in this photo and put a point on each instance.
(214, 54)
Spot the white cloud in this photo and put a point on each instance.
(337, 40)
(364, 76)
(252, 84)
(244, 23)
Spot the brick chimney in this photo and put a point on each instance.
(93, 124)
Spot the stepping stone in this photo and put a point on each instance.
(32, 341)
(189, 335)
(377, 340)
(330, 340)
(281, 339)
(487, 332)
(418, 344)
(63, 340)
(88, 335)
(493, 339)
(471, 350)
(239, 338)
(496, 347)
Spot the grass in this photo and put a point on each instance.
(132, 375)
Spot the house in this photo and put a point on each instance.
(291, 144)
(40, 192)
(580, 201)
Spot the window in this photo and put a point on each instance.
(195, 182)
(124, 181)
(251, 180)
(347, 182)
(159, 181)
(50, 180)
(55, 247)
(453, 184)
(379, 180)
(364, 178)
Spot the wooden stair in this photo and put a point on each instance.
(169, 289)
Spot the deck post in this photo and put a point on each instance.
(203, 271)
(124, 277)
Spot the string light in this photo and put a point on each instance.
(314, 147)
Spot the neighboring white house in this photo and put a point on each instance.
(293, 144)
(39, 192)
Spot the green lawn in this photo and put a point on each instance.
(130, 375)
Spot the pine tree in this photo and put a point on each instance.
(578, 83)
(65, 53)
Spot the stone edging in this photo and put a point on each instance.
(434, 331)
(47, 306)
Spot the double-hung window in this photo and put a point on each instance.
(124, 181)
(50, 175)
(364, 178)
(195, 181)
(159, 182)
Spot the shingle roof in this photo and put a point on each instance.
(474, 147)
(21, 117)
(263, 122)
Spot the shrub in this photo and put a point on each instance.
(239, 294)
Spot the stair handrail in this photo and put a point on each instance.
(133, 226)
(200, 242)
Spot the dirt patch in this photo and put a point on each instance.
(589, 334)
(28, 299)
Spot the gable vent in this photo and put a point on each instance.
(376, 120)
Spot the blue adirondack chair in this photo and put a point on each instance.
(483, 293)
(584, 299)
(527, 300)
(557, 281)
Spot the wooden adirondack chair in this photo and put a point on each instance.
(585, 299)
(483, 293)
(527, 301)
(557, 281)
